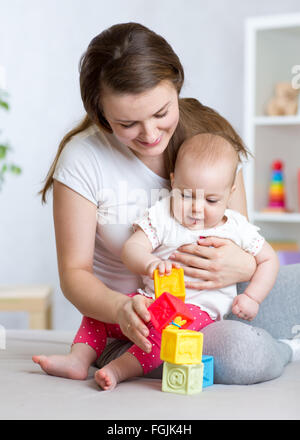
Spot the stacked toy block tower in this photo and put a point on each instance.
(277, 188)
(185, 370)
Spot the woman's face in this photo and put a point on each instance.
(144, 122)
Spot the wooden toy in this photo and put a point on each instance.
(165, 309)
(173, 283)
(208, 370)
(182, 379)
(180, 346)
(285, 101)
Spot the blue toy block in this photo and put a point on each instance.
(208, 371)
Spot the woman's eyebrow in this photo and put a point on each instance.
(158, 111)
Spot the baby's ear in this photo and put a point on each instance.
(232, 189)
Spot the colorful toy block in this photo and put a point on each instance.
(165, 309)
(185, 371)
(181, 346)
(208, 370)
(173, 283)
(182, 379)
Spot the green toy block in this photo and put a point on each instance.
(182, 379)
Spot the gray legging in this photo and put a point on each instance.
(246, 353)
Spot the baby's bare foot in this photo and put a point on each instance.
(106, 378)
(68, 366)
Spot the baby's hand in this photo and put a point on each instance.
(164, 267)
(245, 307)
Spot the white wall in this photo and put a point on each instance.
(40, 46)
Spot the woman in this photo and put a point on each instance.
(130, 81)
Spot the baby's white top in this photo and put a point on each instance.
(108, 174)
(166, 235)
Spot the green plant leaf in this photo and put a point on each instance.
(4, 168)
(5, 147)
(4, 104)
(3, 151)
(15, 169)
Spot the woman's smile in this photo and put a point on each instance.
(153, 144)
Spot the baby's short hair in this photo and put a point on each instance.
(209, 148)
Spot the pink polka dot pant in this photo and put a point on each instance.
(94, 333)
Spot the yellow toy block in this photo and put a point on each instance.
(180, 346)
(173, 283)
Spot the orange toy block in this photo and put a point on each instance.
(173, 283)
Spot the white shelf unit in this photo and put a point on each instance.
(272, 48)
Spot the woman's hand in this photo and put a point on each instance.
(131, 315)
(217, 262)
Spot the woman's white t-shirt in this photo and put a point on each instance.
(106, 172)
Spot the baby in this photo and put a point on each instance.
(202, 184)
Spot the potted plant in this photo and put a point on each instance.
(5, 148)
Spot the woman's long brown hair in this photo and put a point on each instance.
(130, 58)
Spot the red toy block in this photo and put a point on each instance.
(165, 309)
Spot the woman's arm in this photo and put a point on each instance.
(218, 262)
(75, 228)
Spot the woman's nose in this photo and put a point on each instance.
(149, 132)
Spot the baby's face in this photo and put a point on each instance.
(200, 194)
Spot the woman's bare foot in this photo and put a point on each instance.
(116, 371)
(74, 365)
